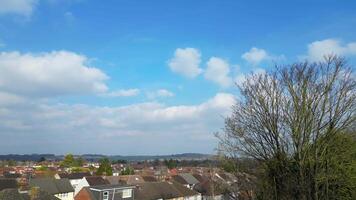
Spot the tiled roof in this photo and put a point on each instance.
(77, 175)
(11, 175)
(149, 178)
(189, 178)
(186, 192)
(162, 190)
(127, 179)
(96, 192)
(208, 188)
(13, 194)
(6, 183)
(52, 186)
(96, 180)
(200, 177)
(186, 178)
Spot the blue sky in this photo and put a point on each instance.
(146, 77)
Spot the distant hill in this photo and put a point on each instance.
(26, 157)
(95, 157)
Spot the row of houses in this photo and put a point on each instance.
(84, 186)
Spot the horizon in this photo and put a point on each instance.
(94, 154)
(141, 78)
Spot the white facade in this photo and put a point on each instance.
(196, 197)
(74, 182)
(65, 196)
(81, 183)
(216, 197)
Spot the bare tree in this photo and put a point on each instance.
(288, 117)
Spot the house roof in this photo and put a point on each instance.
(156, 190)
(186, 192)
(76, 175)
(96, 180)
(11, 175)
(127, 179)
(186, 178)
(13, 194)
(7, 183)
(179, 179)
(107, 187)
(149, 178)
(200, 177)
(208, 188)
(161, 190)
(96, 191)
(52, 186)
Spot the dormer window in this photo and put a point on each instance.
(127, 193)
(106, 195)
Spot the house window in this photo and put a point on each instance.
(126, 193)
(106, 195)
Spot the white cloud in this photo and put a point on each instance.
(186, 62)
(318, 49)
(49, 74)
(255, 56)
(101, 128)
(123, 93)
(164, 93)
(159, 93)
(218, 71)
(19, 7)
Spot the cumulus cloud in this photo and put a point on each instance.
(255, 56)
(318, 49)
(102, 128)
(218, 71)
(18, 7)
(186, 62)
(123, 93)
(160, 93)
(49, 74)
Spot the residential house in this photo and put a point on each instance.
(125, 179)
(161, 173)
(60, 188)
(186, 179)
(90, 181)
(164, 190)
(74, 178)
(149, 178)
(11, 174)
(7, 183)
(210, 190)
(200, 177)
(14, 194)
(106, 192)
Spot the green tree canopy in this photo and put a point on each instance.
(171, 163)
(70, 161)
(128, 171)
(104, 167)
